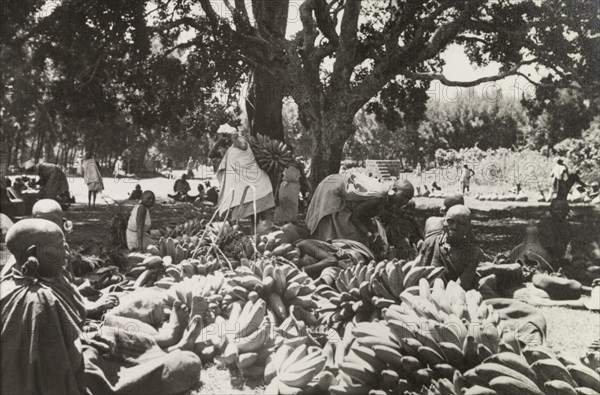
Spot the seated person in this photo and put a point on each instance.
(403, 231)
(20, 185)
(139, 223)
(35, 296)
(181, 188)
(136, 194)
(572, 179)
(212, 195)
(435, 225)
(555, 232)
(50, 210)
(595, 189)
(453, 249)
(201, 193)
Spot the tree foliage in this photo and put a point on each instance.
(150, 65)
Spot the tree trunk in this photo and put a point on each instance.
(330, 132)
(264, 102)
(264, 105)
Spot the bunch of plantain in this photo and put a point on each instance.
(177, 250)
(272, 245)
(532, 370)
(201, 294)
(248, 337)
(279, 284)
(361, 291)
(423, 341)
(272, 156)
(191, 227)
(292, 369)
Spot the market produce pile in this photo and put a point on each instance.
(361, 327)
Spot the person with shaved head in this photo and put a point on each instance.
(139, 223)
(453, 249)
(435, 225)
(43, 347)
(343, 208)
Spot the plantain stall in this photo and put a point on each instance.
(354, 325)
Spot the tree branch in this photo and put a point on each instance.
(309, 32)
(183, 21)
(346, 53)
(325, 22)
(210, 12)
(239, 15)
(466, 84)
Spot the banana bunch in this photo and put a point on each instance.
(533, 370)
(272, 156)
(280, 285)
(172, 251)
(272, 244)
(291, 370)
(248, 337)
(422, 342)
(363, 290)
(191, 227)
(201, 293)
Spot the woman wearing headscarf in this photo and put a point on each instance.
(92, 177)
(244, 185)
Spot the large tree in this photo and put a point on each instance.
(348, 51)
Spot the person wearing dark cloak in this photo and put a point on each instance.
(453, 249)
(44, 350)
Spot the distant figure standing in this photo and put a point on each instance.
(92, 177)
(169, 168)
(190, 168)
(118, 169)
(559, 176)
(418, 170)
(465, 178)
